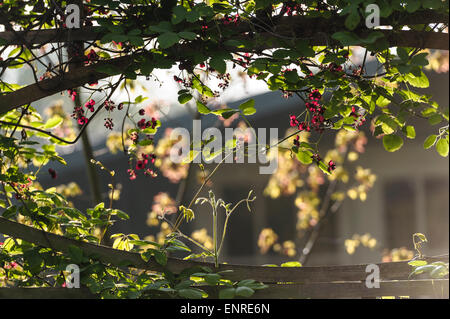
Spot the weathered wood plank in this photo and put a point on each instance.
(388, 271)
(46, 293)
(435, 289)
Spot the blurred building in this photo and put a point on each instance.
(410, 194)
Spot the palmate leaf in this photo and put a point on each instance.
(168, 39)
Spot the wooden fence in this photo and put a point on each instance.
(348, 281)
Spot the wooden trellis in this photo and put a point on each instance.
(348, 281)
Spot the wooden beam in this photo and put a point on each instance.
(65, 81)
(299, 23)
(435, 289)
(69, 80)
(388, 271)
(46, 293)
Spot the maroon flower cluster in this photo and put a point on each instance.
(286, 94)
(331, 166)
(78, 114)
(109, 105)
(333, 67)
(90, 105)
(92, 56)
(142, 165)
(291, 8)
(177, 79)
(226, 78)
(142, 124)
(359, 119)
(52, 173)
(297, 141)
(244, 62)
(72, 94)
(109, 123)
(317, 111)
(230, 19)
(134, 137)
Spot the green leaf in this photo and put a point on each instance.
(417, 263)
(119, 213)
(372, 37)
(233, 43)
(352, 20)
(392, 142)
(429, 142)
(421, 269)
(248, 107)
(420, 81)
(420, 59)
(304, 156)
(192, 16)
(227, 293)
(435, 119)
(188, 213)
(168, 39)
(202, 108)
(409, 131)
(190, 293)
(76, 254)
(291, 76)
(346, 38)
(244, 291)
(212, 279)
(439, 272)
(164, 26)
(53, 122)
(178, 14)
(141, 242)
(187, 35)
(160, 257)
(218, 64)
(136, 41)
(291, 264)
(388, 124)
(421, 236)
(432, 4)
(228, 114)
(402, 54)
(442, 147)
(10, 212)
(201, 88)
(140, 99)
(107, 69)
(184, 98)
(412, 5)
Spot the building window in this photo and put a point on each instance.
(400, 206)
(240, 237)
(437, 211)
